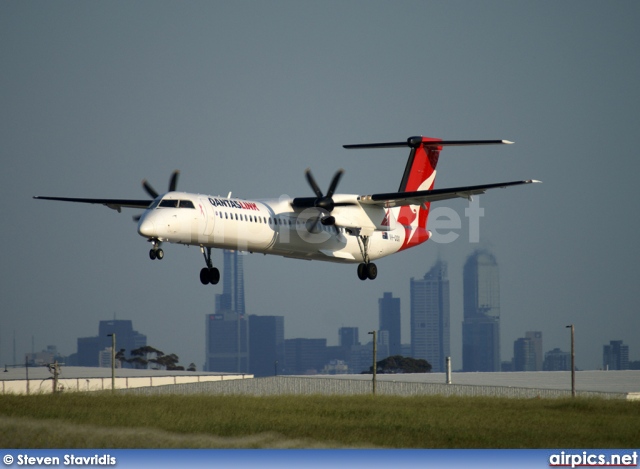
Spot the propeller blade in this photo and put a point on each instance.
(314, 225)
(312, 183)
(150, 190)
(334, 182)
(137, 218)
(173, 182)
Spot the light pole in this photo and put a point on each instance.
(375, 350)
(113, 361)
(573, 361)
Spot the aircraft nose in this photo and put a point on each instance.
(146, 227)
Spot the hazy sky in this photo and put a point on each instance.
(243, 96)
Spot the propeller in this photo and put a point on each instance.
(324, 201)
(173, 183)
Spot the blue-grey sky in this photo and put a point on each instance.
(243, 96)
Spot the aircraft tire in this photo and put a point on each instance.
(214, 276)
(372, 271)
(152, 254)
(204, 276)
(159, 254)
(362, 271)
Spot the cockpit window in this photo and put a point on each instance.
(169, 203)
(172, 203)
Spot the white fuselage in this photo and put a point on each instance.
(269, 227)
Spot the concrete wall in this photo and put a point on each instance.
(44, 386)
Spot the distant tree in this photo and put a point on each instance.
(169, 362)
(634, 365)
(120, 357)
(192, 367)
(400, 364)
(141, 356)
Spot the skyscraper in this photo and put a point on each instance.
(232, 296)
(524, 355)
(266, 345)
(348, 336)
(126, 338)
(557, 360)
(227, 343)
(227, 331)
(430, 316)
(481, 325)
(615, 356)
(305, 356)
(389, 320)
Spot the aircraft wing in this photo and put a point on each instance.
(115, 204)
(396, 199)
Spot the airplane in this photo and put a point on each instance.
(330, 227)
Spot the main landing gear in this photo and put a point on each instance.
(366, 269)
(208, 274)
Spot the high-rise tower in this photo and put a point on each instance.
(227, 331)
(389, 320)
(430, 317)
(232, 296)
(481, 325)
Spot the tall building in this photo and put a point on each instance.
(524, 355)
(266, 345)
(557, 360)
(348, 336)
(536, 339)
(615, 356)
(232, 296)
(481, 324)
(305, 356)
(227, 331)
(430, 316)
(227, 343)
(89, 348)
(527, 352)
(389, 320)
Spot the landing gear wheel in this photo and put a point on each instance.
(209, 276)
(372, 271)
(152, 254)
(204, 276)
(159, 254)
(214, 276)
(362, 271)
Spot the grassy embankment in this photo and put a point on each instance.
(102, 420)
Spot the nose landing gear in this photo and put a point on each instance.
(156, 252)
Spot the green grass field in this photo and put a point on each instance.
(103, 420)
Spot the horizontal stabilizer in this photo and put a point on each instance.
(417, 141)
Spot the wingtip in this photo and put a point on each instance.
(534, 181)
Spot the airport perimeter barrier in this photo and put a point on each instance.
(296, 385)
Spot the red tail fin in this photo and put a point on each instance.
(419, 175)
